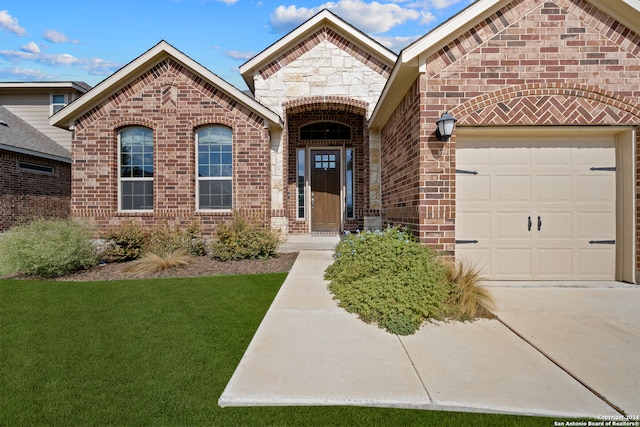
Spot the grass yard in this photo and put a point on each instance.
(154, 352)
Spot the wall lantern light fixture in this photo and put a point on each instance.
(445, 125)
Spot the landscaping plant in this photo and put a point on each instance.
(125, 242)
(467, 297)
(388, 278)
(152, 263)
(244, 239)
(46, 248)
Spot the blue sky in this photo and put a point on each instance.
(88, 40)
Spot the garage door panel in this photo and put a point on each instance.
(554, 189)
(556, 226)
(473, 225)
(554, 263)
(511, 263)
(510, 226)
(594, 152)
(595, 226)
(596, 188)
(474, 189)
(595, 263)
(554, 154)
(512, 188)
(511, 154)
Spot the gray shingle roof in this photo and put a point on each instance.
(19, 136)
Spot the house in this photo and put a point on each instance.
(537, 182)
(35, 157)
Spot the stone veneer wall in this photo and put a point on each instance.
(560, 62)
(173, 102)
(28, 194)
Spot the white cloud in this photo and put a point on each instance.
(234, 54)
(396, 44)
(94, 66)
(23, 74)
(30, 47)
(57, 37)
(9, 23)
(374, 17)
(427, 18)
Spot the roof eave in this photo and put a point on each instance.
(34, 153)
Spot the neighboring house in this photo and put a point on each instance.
(35, 157)
(35, 102)
(35, 173)
(538, 181)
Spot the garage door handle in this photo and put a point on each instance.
(529, 224)
(539, 223)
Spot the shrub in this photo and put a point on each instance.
(153, 263)
(389, 279)
(244, 239)
(467, 297)
(46, 248)
(125, 242)
(165, 239)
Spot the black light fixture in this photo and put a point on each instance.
(445, 125)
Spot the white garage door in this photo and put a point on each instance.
(537, 209)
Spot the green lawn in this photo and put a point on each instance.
(154, 352)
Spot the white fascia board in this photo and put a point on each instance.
(42, 85)
(411, 58)
(323, 18)
(67, 116)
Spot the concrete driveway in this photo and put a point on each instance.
(555, 351)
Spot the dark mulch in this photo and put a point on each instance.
(201, 266)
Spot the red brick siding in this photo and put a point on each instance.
(25, 195)
(560, 62)
(400, 168)
(348, 112)
(173, 102)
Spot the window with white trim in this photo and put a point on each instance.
(214, 158)
(135, 166)
(58, 102)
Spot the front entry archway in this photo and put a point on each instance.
(325, 190)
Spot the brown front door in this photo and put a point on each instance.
(325, 190)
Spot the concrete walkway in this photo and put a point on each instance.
(556, 351)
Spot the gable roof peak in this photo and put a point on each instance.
(66, 117)
(324, 18)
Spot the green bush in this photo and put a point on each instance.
(46, 248)
(165, 239)
(244, 239)
(389, 279)
(125, 242)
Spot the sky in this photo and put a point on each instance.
(88, 40)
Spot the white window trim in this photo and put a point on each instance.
(353, 182)
(53, 104)
(304, 189)
(137, 179)
(215, 178)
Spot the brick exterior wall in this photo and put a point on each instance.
(560, 62)
(173, 102)
(27, 194)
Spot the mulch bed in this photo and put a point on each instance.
(201, 266)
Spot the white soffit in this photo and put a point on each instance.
(65, 117)
(325, 18)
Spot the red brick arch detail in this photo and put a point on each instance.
(212, 121)
(547, 104)
(133, 121)
(319, 103)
